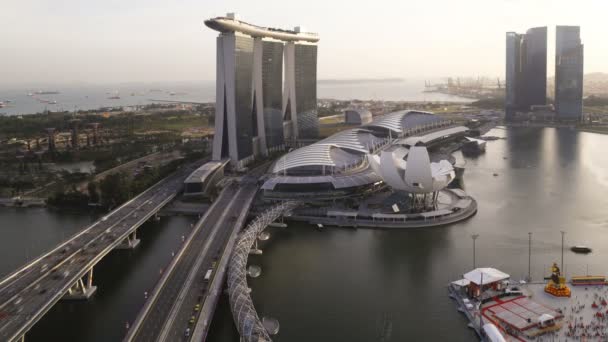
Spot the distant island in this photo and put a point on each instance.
(360, 80)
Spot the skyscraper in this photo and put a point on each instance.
(568, 73)
(300, 100)
(233, 100)
(526, 70)
(256, 112)
(512, 74)
(272, 87)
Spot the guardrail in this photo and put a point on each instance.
(84, 231)
(71, 280)
(132, 333)
(201, 328)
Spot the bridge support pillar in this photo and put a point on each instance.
(130, 242)
(83, 289)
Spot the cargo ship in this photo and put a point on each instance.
(46, 92)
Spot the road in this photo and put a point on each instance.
(28, 293)
(171, 305)
(183, 293)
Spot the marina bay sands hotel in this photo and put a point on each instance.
(266, 89)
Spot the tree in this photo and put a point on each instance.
(115, 189)
(93, 192)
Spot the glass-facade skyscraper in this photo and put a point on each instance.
(266, 85)
(306, 90)
(526, 70)
(272, 86)
(234, 106)
(569, 59)
(512, 74)
(243, 90)
(534, 56)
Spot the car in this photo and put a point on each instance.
(187, 332)
(514, 291)
(197, 307)
(192, 320)
(208, 275)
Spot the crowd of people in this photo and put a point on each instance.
(580, 325)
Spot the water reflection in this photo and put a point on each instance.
(344, 284)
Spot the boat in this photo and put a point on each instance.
(580, 249)
(46, 92)
(473, 147)
(588, 280)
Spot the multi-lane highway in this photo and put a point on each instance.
(29, 292)
(182, 294)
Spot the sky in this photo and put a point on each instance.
(111, 41)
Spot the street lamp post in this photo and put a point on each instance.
(474, 237)
(562, 270)
(529, 255)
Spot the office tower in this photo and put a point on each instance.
(526, 70)
(253, 114)
(300, 100)
(512, 74)
(233, 106)
(268, 76)
(568, 73)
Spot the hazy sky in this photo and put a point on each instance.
(101, 41)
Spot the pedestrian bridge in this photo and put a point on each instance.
(245, 316)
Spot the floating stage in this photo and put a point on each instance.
(531, 314)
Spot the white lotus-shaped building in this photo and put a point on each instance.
(416, 174)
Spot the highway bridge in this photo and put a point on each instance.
(187, 294)
(67, 270)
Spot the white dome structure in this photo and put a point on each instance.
(415, 175)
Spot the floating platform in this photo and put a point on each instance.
(582, 316)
